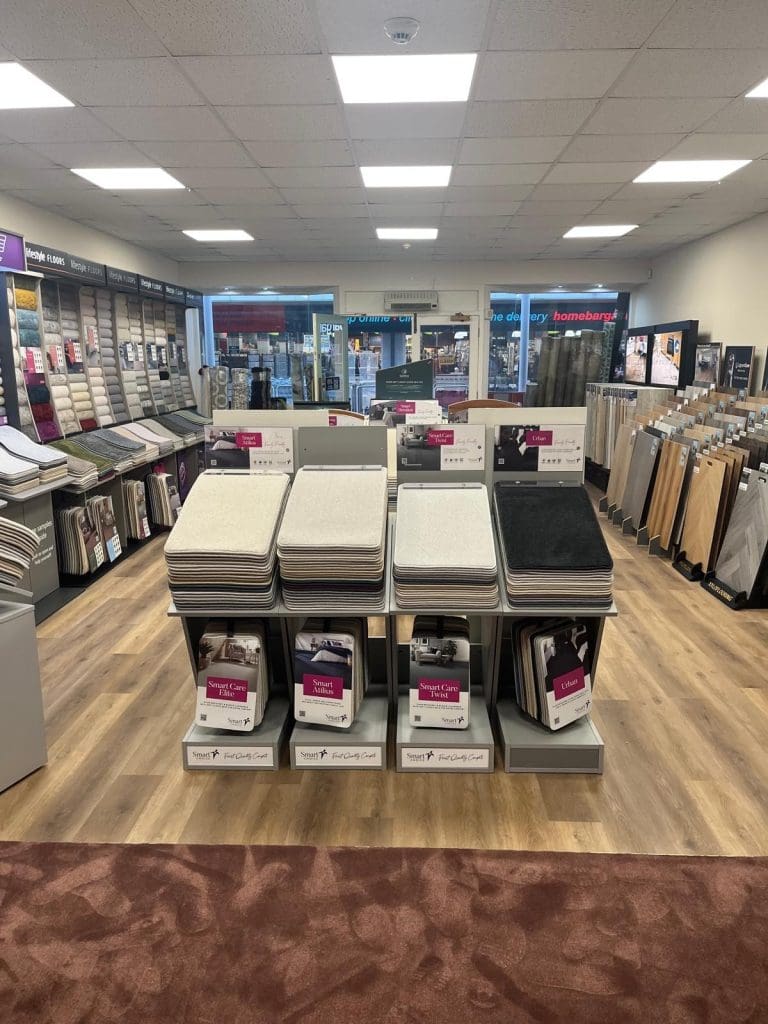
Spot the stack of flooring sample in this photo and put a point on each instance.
(18, 546)
(135, 496)
(148, 452)
(194, 417)
(75, 347)
(50, 464)
(163, 357)
(120, 458)
(232, 676)
(144, 432)
(159, 428)
(444, 555)
(741, 565)
(136, 330)
(182, 358)
(439, 676)
(58, 377)
(77, 455)
(26, 419)
(126, 442)
(126, 351)
(83, 472)
(150, 355)
(181, 426)
(332, 540)
(553, 550)
(222, 551)
(96, 377)
(552, 669)
(108, 351)
(16, 475)
(86, 536)
(163, 498)
(329, 671)
(30, 331)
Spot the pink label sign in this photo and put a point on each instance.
(221, 688)
(333, 421)
(437, 438)
(442, 691)
(248, 439)
(571, 682)
(538, 438)
(405, 408)
(322, 686)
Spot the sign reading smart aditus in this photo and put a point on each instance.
(12, 256)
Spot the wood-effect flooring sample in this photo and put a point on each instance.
(622, 455)
(744, 547)
(666, 491)
(703, 508)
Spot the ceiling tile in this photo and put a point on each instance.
(380, 152)
(50, 28)
(713, 146)
(652, 115)
(69, 125)
(670, 73)
(546, 207)
(183, 124)
(41, 177)
(608, 147)
(559, 74)
(13, 154)
(659, 191)
(576, 25)
(528, 117)
(257, 213)
(573, 173)
(578, 191)
(269, 79)
(93, 154)
(284, 123)
(164, 200)
(391, 215)
(446, 26)
(487, 194)
(724, 23)
(405, 196)
(231, 26)
(221, 177)
(499, 174)
(334, 196)
(529, 150)
(739, 116)
(230, 196)
(405, 120)
(197, 154)
(480, 209)
(315, 210)
(313, 177)
(301, 154)
(153, 82)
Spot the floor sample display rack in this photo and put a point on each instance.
(690, 482)
(383, 724)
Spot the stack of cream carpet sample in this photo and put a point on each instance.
(18, 546)
(108, 350)
(332, 543)
(150, 354)
(71, 335)
(58, 376)
(221, 554)
(135, 496)
(126, 349)
(50, 464)
(25, 410)
(136, 327)
(93, 367)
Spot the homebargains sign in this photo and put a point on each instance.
(559, 316)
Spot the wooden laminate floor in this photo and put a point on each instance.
(682, 703)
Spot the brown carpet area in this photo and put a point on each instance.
(260, 935)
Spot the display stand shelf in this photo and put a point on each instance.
(38, 492)
(446, 750)
(230, 751)
(22, 725)
(15, 595)
(530, 747)
(362, 746)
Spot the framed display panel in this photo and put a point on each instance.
(636, 358)
(707, 364)
(738, 367)
(662, 355)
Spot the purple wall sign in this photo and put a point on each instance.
(12, 255)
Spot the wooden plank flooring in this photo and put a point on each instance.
(682, 705)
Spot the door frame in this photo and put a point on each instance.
(473, 325)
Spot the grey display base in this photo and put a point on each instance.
(22, 727)
(36, 492)
(445, 750)
(528, 747)
(363, 745)
(230, 751)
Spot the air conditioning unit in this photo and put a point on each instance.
(410, 302)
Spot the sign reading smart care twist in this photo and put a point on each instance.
(151, 288)
(42, 257)
(12, 256)
(122, 280)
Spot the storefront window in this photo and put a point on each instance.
(272, 332)
(546, 346)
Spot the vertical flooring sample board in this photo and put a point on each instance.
(622, 456)
(744, 548)
(703, 508)
(666, 491)
(642, 470)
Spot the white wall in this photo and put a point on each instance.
(61, 233)
(720, 281)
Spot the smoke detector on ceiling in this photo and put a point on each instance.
(402, 30)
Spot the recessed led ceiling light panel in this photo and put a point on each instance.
(410, 234)
(406, 78)
(406, 177)
(125, 179)
(690, 170)
(21, 90)
(218, 235)
(600, 231)
(760, 92)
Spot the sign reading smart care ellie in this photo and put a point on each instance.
(12, 252)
